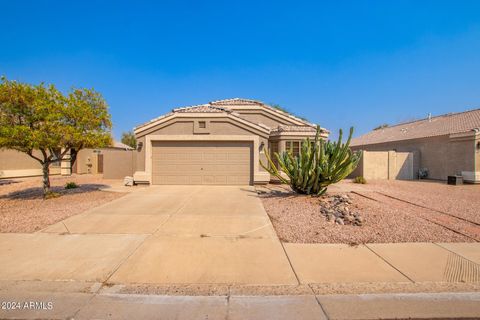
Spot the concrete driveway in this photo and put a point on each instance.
(160, 234)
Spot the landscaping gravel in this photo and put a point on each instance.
(462, 200)
(23, 209)
(298, 219)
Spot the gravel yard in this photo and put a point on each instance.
(462, 200)
(297, 218)
(23, 210)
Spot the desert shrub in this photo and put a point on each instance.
(71, 185)
(319, 164)
(51, 195)
(360, 179)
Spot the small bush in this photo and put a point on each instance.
(71, 185)
(360, 180)
(51, 195)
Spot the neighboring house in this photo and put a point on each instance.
(221, 142)
(15, 164)
(444, 145)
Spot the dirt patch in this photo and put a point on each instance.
(297, 218)
(392, 287)
(23, 209)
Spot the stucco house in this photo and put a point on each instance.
(444, 145)
(220, 142)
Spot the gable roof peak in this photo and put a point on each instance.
(236, 101)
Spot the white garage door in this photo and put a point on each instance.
(202, 162)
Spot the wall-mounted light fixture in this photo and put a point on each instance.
(139, 145)
(262, 145)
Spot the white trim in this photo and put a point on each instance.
(258, 176)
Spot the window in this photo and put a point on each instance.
(202, 124)
(293, 147)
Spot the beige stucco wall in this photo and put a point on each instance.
(441, 155)
(117, 164)
(383, 165)
(375, 165)
(87, 161)
(14, 160)
(403, 169)
(140, 155)
(14, 164)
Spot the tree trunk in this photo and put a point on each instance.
(73, 157)
(46, 178)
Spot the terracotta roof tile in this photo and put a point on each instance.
(220, 106)
(207, 108)
(435, 126)
(236, 102)
(294, 129)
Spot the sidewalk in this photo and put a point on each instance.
(105, 305)
(404, 280)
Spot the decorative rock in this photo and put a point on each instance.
(337, 209)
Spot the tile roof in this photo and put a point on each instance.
(430, 127)
(249, 102)
(294, 129)
(237, 102)
(207, 108)
(220, 106)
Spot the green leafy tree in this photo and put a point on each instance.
(128, 138)
(41, 122)
(319, 164)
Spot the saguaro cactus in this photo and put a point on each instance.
(319, 164)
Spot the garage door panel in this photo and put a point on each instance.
(216, 163)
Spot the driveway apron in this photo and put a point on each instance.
(187, 235)
(219, 234)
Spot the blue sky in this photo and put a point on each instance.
(338, 63)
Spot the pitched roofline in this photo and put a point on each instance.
(212, 105)
(433, 117)
(358, 141)
(173, 115)
(268, 107)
